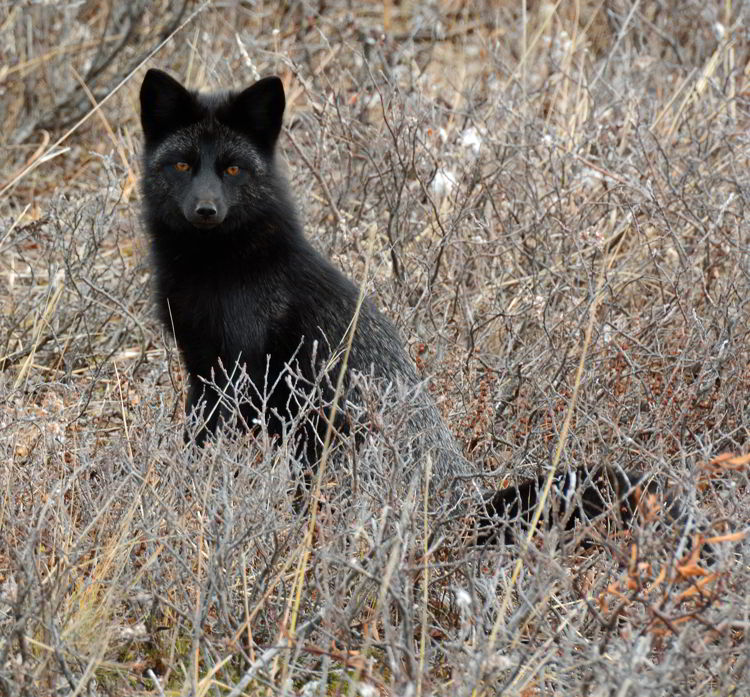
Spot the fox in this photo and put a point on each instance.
(236, 281)
(257, 311)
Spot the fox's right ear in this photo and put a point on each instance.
(166, 106)
(257, 112)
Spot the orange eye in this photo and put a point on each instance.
(232, 170)
(182, 167)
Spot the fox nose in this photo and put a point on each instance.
(206, 210)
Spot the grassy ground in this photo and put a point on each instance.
(550, 185)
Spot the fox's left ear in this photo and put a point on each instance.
(257, 112)
(166, 106)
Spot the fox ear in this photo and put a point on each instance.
(166, 105)
(257, 112)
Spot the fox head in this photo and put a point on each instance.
(208, 158)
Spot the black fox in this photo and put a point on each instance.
(236, 280)
(247, 295)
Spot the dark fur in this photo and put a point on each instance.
(241, 287)
(243, 284)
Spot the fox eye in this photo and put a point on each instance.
(232, 170)
(182, 167)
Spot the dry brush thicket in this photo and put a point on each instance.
(569, 191)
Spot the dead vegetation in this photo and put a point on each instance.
(550, 185)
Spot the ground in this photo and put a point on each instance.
(548, 199)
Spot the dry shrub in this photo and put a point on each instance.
(504, 166)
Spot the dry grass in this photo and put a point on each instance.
(509, 159)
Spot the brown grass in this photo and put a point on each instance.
(612, 140)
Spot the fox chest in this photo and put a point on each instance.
(226, 322)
